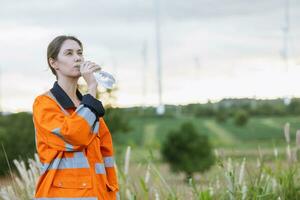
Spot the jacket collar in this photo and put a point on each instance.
(62, 97)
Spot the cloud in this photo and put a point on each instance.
(64, 12)
(230, 39)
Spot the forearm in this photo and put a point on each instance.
(92, 90)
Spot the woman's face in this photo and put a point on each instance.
(68, 60)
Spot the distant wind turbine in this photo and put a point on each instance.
(160, 110)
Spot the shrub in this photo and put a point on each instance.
(187, 151)
(241, 118)
(294, 106)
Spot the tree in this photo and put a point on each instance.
(294, 106)
(187, 151)
(241, 117)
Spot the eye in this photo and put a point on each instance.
(69, 53)
(79, 53)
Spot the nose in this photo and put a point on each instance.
(78, 58)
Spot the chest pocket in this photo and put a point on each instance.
(77, 182)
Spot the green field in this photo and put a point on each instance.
(259, 131)
(259, 134)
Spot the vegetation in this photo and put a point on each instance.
(17, 137)
(230, 179)
(253, 160)
(188, 151)
(240, 118)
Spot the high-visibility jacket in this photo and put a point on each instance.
(74, 147)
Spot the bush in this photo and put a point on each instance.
(294, 106)
(17, 137)
(241, 118)
(187, 151)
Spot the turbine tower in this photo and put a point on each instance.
(285, 29)
(285, 50)
(160, 110)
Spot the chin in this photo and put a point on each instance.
(78, 76)
(75, 75)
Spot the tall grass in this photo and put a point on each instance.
(23, 183)
(232, 179)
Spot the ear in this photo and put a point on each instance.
(53, 63)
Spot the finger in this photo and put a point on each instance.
(92, 65)
(95, 65)
(88, 64)
(84, 64)
(95, 68)
(98, 67)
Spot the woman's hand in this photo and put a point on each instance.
(86, 69)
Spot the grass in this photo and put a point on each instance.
(227, 137)
(260, 131)
(253, 163)
(232, 179)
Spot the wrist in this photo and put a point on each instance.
(94, 104)
(92, 86)
(92, 90)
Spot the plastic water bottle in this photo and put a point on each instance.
(104, 79)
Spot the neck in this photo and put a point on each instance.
(69, 86)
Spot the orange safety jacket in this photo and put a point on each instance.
(75, 148)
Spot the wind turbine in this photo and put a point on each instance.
(160, 110)
(285, 29)
(285, 50)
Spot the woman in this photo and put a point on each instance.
(73, 142)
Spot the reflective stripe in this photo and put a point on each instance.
(96, 127)
(79, 154)
(56, 131)
(69, 147)
(49, 94)
(70, 163)
(35, 136)
(99, 168)
(109, 161)
(78, 161)
(87, 114)
(44, 167)
(66, 198)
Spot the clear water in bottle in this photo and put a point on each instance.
(105, 79)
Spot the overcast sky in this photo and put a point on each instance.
(210, 49)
